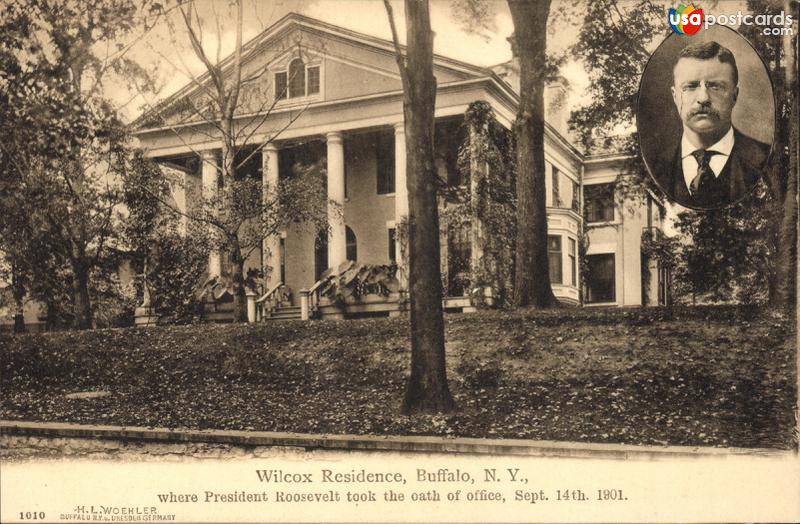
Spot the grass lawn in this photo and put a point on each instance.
(694, 376)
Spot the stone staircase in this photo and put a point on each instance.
(285, 313)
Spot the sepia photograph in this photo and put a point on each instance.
(398, 261)
(708, 97)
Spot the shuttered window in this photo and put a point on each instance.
(313, 80)
(392, 245)
(280, 86)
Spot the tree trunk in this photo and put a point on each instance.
(18, 289)
(786, 264)
(82, 306)
(239, 295)
(427, 389)
(532, 275)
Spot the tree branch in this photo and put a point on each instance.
(398, 53)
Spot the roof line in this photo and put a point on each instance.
(329, 103)
(252, 45)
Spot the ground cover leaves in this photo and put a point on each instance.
(691, 376)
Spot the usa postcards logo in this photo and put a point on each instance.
(685, 20)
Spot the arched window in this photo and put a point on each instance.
(297, 78)
(352, 244)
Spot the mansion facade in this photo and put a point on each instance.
(336, 95)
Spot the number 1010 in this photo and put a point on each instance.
(31, 515)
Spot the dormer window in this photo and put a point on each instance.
(297, 81)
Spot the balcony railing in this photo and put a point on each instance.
(270, 301)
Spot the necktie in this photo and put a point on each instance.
(705, 176)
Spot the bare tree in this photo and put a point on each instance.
(427, 389)
(238, 217)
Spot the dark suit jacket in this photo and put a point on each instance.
(741, 172)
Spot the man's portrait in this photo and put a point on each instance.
(704, 144)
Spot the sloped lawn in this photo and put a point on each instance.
(695, 376)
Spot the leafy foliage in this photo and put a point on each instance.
(731, 257)
(169, 263)
(114, 302)
(176, 267)
(659, 248)
(486, 162)
(614, 44)
(67, 146)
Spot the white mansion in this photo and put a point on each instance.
(339, 96)
(341, 91)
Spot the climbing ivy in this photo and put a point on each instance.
(661, 248)
(487, 193)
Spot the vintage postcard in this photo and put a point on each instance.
(398, 261)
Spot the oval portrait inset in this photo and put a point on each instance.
(706, 117)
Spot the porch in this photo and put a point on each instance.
(364, 172)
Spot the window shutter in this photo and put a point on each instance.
(351, 244)
(573, 252)
(280, 86)
(313, 80)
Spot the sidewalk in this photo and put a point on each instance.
(423, 444)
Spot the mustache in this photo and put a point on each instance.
(704, 111)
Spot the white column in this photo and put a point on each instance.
(337, 242)
(272, 245)
(210, 174)
(400, 189)
(400, 204)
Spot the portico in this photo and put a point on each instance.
(344, 114)
(366, 198)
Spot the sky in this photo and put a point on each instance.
(171, 56)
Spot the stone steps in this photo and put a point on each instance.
(285, 313)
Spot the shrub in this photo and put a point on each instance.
(114, 303)
(176, 265)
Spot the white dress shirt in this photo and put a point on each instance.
(723, 149)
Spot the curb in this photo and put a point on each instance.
(310, 441)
